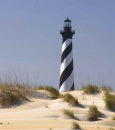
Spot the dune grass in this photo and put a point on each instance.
(93, 113)
(90, 89)
(111, 129)
(41, 87)
(13, 90)
(54, 92)
(68, 113)
(113, 118)
(75, 125)
(12, 94)
(70, 99)
(110, 101)
(106, 88)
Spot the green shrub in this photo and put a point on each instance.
(93, 113)
(70, 99)
(110, 101)
(54, 92)
(75, 125)
(68, 113)
(90, 89)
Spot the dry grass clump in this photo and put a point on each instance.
(61, 96)
(106, 88)
(111, 129)
(68, 113)
(75, 125)
(109, 88)
(12, 94)
(41, 87)
(13, 90)
(110, 101)
(54, 92)
(70, 99)
(113, 118)
(93, 113)
(90, 89)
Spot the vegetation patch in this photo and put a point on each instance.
(75, 125)
(110, 101)
(54, 92)
(90, 89)
(111, 129)
(12, 94)
(106, 88)
(70, 99)
(93, 113)
(68, 113)
(42, 87)
(113, 118)
(46, 106)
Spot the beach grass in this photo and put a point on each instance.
(93, 113)
(110, 101)
(75, 125)
(70, 99)
(13, 94)
(113, 118)
(53, 91)
(90, 89)
(106, 88)
(111, 129)
(68, 113)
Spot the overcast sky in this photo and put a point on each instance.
(30, 40)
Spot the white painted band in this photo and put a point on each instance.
(66, 44)
(66, 62)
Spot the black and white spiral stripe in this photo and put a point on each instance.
(66, 71)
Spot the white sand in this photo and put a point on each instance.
(35, 115)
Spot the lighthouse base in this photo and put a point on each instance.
(72, 88)
(64, 88)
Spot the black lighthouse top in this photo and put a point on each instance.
(67, 31)
(67, 20)
(67, 23)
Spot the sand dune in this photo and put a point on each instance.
(43, 114)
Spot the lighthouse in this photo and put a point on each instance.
(66, 69)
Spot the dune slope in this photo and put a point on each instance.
(46, 114)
